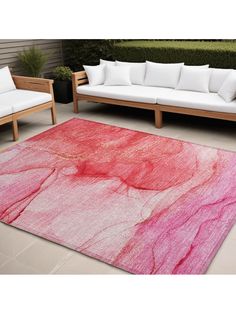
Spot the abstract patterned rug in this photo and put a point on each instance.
(144, 203)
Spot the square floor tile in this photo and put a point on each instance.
(225, 259)
(232, 234)
(3, 259)
(44, 255)
(81, 264)
(14, 267)
(13, 241)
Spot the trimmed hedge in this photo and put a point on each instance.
(77, 52)
(219, 54)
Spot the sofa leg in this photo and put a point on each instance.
(15, 130)
(76, 105)
(53, 114)
(158, 118)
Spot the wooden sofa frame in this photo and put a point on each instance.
(33, 84)
(80, 78)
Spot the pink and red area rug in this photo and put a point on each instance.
(144, 203)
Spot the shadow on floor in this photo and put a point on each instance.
(169, 119)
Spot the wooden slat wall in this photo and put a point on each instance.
(9, 50)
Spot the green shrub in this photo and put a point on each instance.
(216, 53)
(79, 52)
(32, 61)
(62, 73)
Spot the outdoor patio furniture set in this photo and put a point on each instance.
(174, 87)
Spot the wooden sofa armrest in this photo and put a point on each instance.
(79, 78)
(33, 83)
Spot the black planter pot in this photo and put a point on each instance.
(63, 91)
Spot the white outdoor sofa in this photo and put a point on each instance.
(158, 99)
(25, 96)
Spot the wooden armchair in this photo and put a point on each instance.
(34, 85)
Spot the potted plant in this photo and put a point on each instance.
(32, 61)
(62, 84)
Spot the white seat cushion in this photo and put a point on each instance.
(137, 93)
(5, 110)
(196, 100)
(161, 95)
(20, 99)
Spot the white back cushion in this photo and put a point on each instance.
(162, 74)
(194, 79)
(228, 88)
(115, 75)
(95, 74)
(137, 71)
(107, 62)
(6, 82)
(205, 66)
(217, 78)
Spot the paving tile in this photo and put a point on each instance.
(13, 241)
(225, 259)
(15, 267)
(232, 234)
(82, 264)
(3, 259)
(44, 256)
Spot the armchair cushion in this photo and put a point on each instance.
(6, 81)
(5, 110)
(20, 99)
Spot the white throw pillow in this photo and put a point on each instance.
(194, 79)
(228, 88)
(217, 79)
(137, 71)
(205, 66)
(6, 82)
(95, 74)
(107, 62)
(117, 75)
(162, 74)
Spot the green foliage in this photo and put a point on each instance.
(62, 73)
(79, 52)
(216, 53)
(32, 61)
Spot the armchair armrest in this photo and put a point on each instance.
(33, 83)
